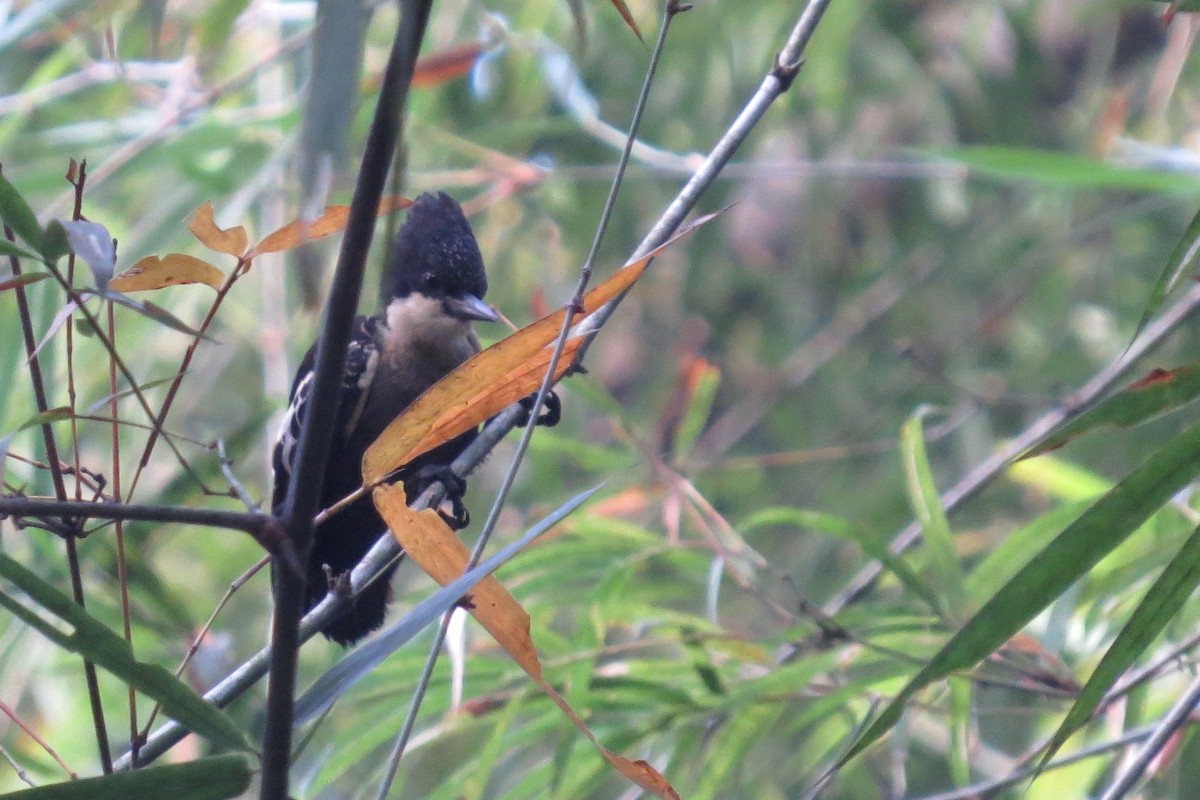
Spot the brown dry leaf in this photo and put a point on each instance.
(232, 241)
(446, 65)
(333, 220)
(435, 548)
(173, 269)
(490, 381)
(447, 422)
(623, 10)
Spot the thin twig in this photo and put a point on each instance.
(8, 712)
(235, 486)
(774, 84)
(69, 509)
(977, 791)
(1160, 734)
(118, 525)
(236, 584)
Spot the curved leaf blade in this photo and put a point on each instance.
(93, 640)
(17, 214)
(1104, 526)
(1162, 601)
(1158, 392)
(212, 778)
(1182, 258)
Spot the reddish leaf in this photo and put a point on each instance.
(489, 381)
(446, 65)
(623, 10)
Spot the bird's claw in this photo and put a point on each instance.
(550, 414)
(456, 486)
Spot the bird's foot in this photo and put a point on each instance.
(550, 414)
(338, 584)
(456, 486)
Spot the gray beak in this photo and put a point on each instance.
(468, 306)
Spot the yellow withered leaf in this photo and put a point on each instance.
(173, 269)
(232, 241)
(434, 547)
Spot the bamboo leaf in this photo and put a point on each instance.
(212, 778)
(1160, 605)
(927, 505)
(1100, 529)
(17, 214)
(93, 640)
(1157, 393)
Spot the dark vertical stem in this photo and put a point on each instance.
(316, 439)
(60, 487)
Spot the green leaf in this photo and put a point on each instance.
(836, 526)
(1178, 263)
(17, 214)
(1069, 171)
(1076, 550)
(1002, 563)
(960, 731)
(1160, 391)
(927, 505)
(54, 243)
(95, 642)
(699, 409)
(1161, 603)
(8, 248)
(213, 778)
(22, 280)
(151, 311)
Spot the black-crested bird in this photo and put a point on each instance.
(422, 334)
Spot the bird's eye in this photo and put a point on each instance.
(430, 281)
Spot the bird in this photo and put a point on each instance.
(423, 332)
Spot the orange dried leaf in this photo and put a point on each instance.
(232, 241)
(1154, 376)
(333, 220)
(499, 395)
(446, 65)
(173, 269)
(463, 395)
(435, 548)
(623, 10)
(489, 381)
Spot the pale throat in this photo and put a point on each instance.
(418, 322)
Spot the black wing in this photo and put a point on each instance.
(361, 360)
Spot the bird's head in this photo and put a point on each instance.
(436, 257)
